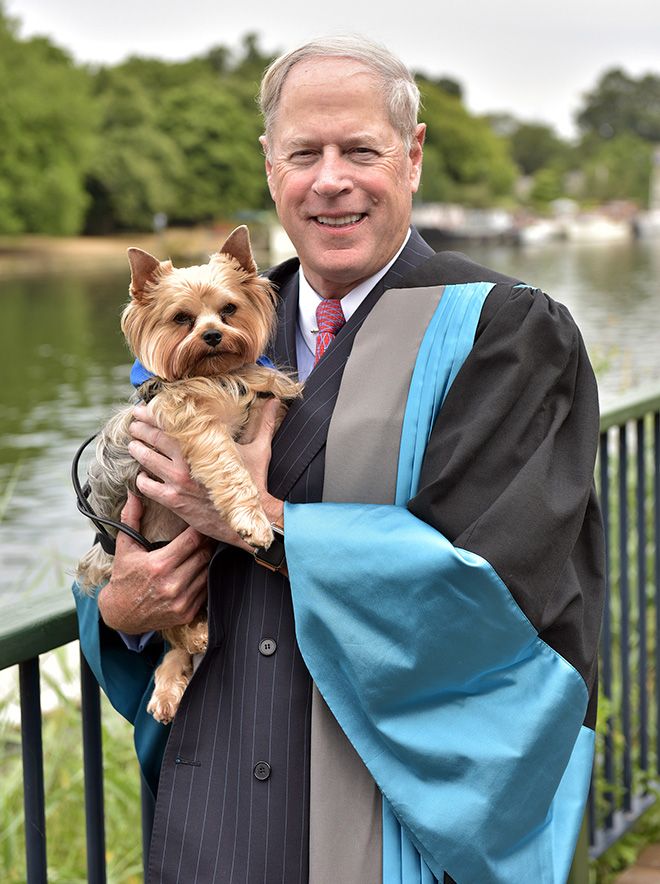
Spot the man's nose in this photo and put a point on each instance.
(332, 176)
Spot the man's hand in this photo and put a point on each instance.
(178, 491)
(154, 590)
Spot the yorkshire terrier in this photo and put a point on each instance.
(199, 330)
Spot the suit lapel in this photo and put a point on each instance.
(285, 279)
(305, 428)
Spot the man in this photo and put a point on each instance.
(443, 551)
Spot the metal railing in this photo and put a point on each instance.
(23, 639)
(627, 760)
(628, 749)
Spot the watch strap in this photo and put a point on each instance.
(274, 556)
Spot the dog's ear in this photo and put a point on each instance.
(237, 245)
(143, 269)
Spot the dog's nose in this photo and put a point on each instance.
(212, 338)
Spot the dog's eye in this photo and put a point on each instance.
(184, 319)
(228, 309)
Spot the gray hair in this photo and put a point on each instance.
(399, 88)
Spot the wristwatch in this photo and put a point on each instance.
(274, 556)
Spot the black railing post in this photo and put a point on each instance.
(656, 537)
(148, 807)
(625, 617)
(33, 772)
(93, 765)
(642, 669)
(606, 641)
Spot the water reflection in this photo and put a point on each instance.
(613, 293)
(64, 363)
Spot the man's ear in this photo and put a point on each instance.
(269, 166)
(416, 154)
(144, 269)
(237, 245)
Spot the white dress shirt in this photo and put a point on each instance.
(308, 301)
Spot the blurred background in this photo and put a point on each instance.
(136, 124)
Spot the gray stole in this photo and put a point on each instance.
(362, 449)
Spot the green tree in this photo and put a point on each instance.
(179, 138)
(617, 168)
(620, 104)
(47, 120)
(219, 144)
(535, 146)
(465, 161)
(546, 187)
(138, 168)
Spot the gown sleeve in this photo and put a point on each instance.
(127, 679)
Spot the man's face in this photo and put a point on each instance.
(339, 174)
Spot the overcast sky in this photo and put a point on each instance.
(532, 58)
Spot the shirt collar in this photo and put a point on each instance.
(308, 299)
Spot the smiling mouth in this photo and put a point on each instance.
(340, 221)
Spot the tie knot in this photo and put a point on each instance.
(330, 316)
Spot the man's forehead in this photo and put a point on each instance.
(325, 69)
(328, 81)
(352, 137)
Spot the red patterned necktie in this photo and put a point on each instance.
(329, 318)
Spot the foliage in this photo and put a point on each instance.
(547, 186)
(622, 104)
(179, 138)
(107, 149)
(536, 146)
(218, 140)
(639, 604)
(624, 852)
(616, 168)
(65, 815)
(136, 169)
(47, 120)
(464, 160)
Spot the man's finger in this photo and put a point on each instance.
(131, 515)
(183, 546)
(269, 416)
(144, 413)
(158, 464)
(155, 438)
(132, 511)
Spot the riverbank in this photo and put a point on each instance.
(24, 255)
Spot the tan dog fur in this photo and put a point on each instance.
(208, 400)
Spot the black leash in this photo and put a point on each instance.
(103, 536)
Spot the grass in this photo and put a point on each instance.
(63, 776)
(624, 853)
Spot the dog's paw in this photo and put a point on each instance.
(164, 704)
(253, 527)
(161, 711)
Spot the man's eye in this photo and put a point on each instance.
(363, 152)
(302, 155)
(184, 319)
(228, 309)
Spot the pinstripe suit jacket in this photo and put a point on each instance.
(233, 799)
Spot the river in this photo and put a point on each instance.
(64, 364)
